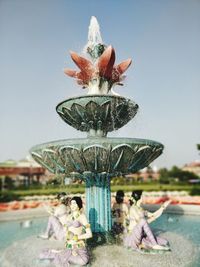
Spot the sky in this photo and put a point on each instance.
(161, 37)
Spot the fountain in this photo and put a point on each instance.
(97, 158)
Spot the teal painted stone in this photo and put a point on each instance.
(97, 159)
(115, 156)
(97, 114)
(99, 239)
(98, 195)
(96, 51)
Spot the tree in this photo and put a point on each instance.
(8, 182)
(164, 176)
(183, 176)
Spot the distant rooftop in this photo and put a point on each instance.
(26, 162)
(195, 163)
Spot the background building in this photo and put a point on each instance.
(21, 173)
(193, 167)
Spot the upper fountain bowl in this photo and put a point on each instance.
(97, 114)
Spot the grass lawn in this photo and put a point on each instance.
(157, 187)
(74, 189)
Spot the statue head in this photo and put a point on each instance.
(63, 198)
(77, 201)
(135, 196)
(119, 196)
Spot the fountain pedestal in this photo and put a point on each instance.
(98, 199)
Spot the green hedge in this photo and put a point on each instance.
(10, 195)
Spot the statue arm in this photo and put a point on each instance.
(86, 226)
(126, 216)
(153, 216)
(74, 232)
(126, 210)
(49, 209)
(58, 210)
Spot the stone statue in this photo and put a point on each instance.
(77, 231)
(140, 235)
(119, 213)
(58, 217)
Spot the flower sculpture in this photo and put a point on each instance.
(99, 77)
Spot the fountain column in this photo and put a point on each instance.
(98, 201)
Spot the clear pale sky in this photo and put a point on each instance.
(162, 38)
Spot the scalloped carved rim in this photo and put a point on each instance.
(97, 158)
(105, 113)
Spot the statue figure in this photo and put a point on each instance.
(58, 218)
(119, 213)
(140, 235)
(77, 231)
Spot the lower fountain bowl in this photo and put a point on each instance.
(97, 155)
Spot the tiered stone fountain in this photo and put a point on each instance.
(97, 158)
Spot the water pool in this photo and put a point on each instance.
(16, 230)
(187, 226)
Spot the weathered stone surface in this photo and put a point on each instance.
(97, 155)
(100, 114)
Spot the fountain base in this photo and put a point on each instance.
(25, 253)
(101, 239)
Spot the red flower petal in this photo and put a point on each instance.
(106, 62)
(123, 66)
(84, 64)
(71, 73)
(84, 77)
